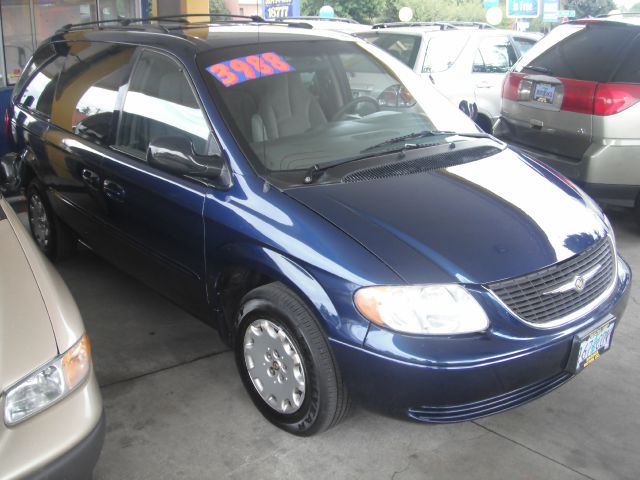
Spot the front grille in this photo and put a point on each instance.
(525, 295)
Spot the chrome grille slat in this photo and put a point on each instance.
(525, 297)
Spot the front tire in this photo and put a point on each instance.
(286, 364)
(52, 236)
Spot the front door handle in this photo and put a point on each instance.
(90, 178)
(113, 191)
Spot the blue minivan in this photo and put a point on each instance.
(348, 231)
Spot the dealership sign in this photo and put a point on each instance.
(280, 8)
(550, 10)
(523, 8)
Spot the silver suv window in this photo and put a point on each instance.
(588, 52)
(494, 55)
(442, 52)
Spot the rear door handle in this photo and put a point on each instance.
(113, 190)
(90, 178)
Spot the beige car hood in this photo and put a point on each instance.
(38, 317)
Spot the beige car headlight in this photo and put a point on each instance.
(422, 309)
(49, 384)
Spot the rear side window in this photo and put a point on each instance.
(523, 44)
(494, 55)
(588, 53)
(442, 52)
(160, 103)
(629, 71)
(40, 87)
(88, 88)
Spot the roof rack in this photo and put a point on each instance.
(125, 22)
(619, 14)
(441, 25)
(479, 25)
(321, 19)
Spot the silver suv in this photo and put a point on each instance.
(464, 64)
(572, 101)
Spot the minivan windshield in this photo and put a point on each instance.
(313, 101)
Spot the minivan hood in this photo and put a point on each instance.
(483, 221)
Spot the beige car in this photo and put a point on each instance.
(52, 419)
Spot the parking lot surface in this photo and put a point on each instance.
(176, 408)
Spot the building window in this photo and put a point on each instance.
(23, 27)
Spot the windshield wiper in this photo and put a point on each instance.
(539, 69)
(409, 136)
(314, 172)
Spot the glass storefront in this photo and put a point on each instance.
(25, 23)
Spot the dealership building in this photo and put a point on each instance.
(26, 23)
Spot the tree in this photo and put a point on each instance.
(589, 8)
(469, 10)
(364, 11)
(217, 6)
(635, 8)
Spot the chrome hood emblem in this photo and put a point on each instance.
(577, 284)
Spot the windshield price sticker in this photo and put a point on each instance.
(242, 69)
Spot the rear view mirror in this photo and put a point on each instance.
(176, 155)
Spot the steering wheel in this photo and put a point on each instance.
(349, 105)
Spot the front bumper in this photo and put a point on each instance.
(79, 462)
(63, 441)
(450, 379)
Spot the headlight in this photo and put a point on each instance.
(48, 384)
(422, 309)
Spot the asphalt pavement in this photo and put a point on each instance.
(176, 408)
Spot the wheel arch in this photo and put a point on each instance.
(246, 267)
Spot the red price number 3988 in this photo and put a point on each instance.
(238, 70)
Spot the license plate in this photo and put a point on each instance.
(587, 348)
(544, 93)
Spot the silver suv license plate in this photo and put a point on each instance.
(588, 347)
(544, 93)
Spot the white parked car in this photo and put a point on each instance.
(464, 64)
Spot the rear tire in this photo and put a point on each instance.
(286, 364)
(54, 238)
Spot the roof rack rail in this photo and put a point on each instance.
(320, 19)
(441, 25)
(479, 25)
(183, 18)
(619, 14)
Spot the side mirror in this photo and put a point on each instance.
(176, 155)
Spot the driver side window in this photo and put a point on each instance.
(161, 103)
